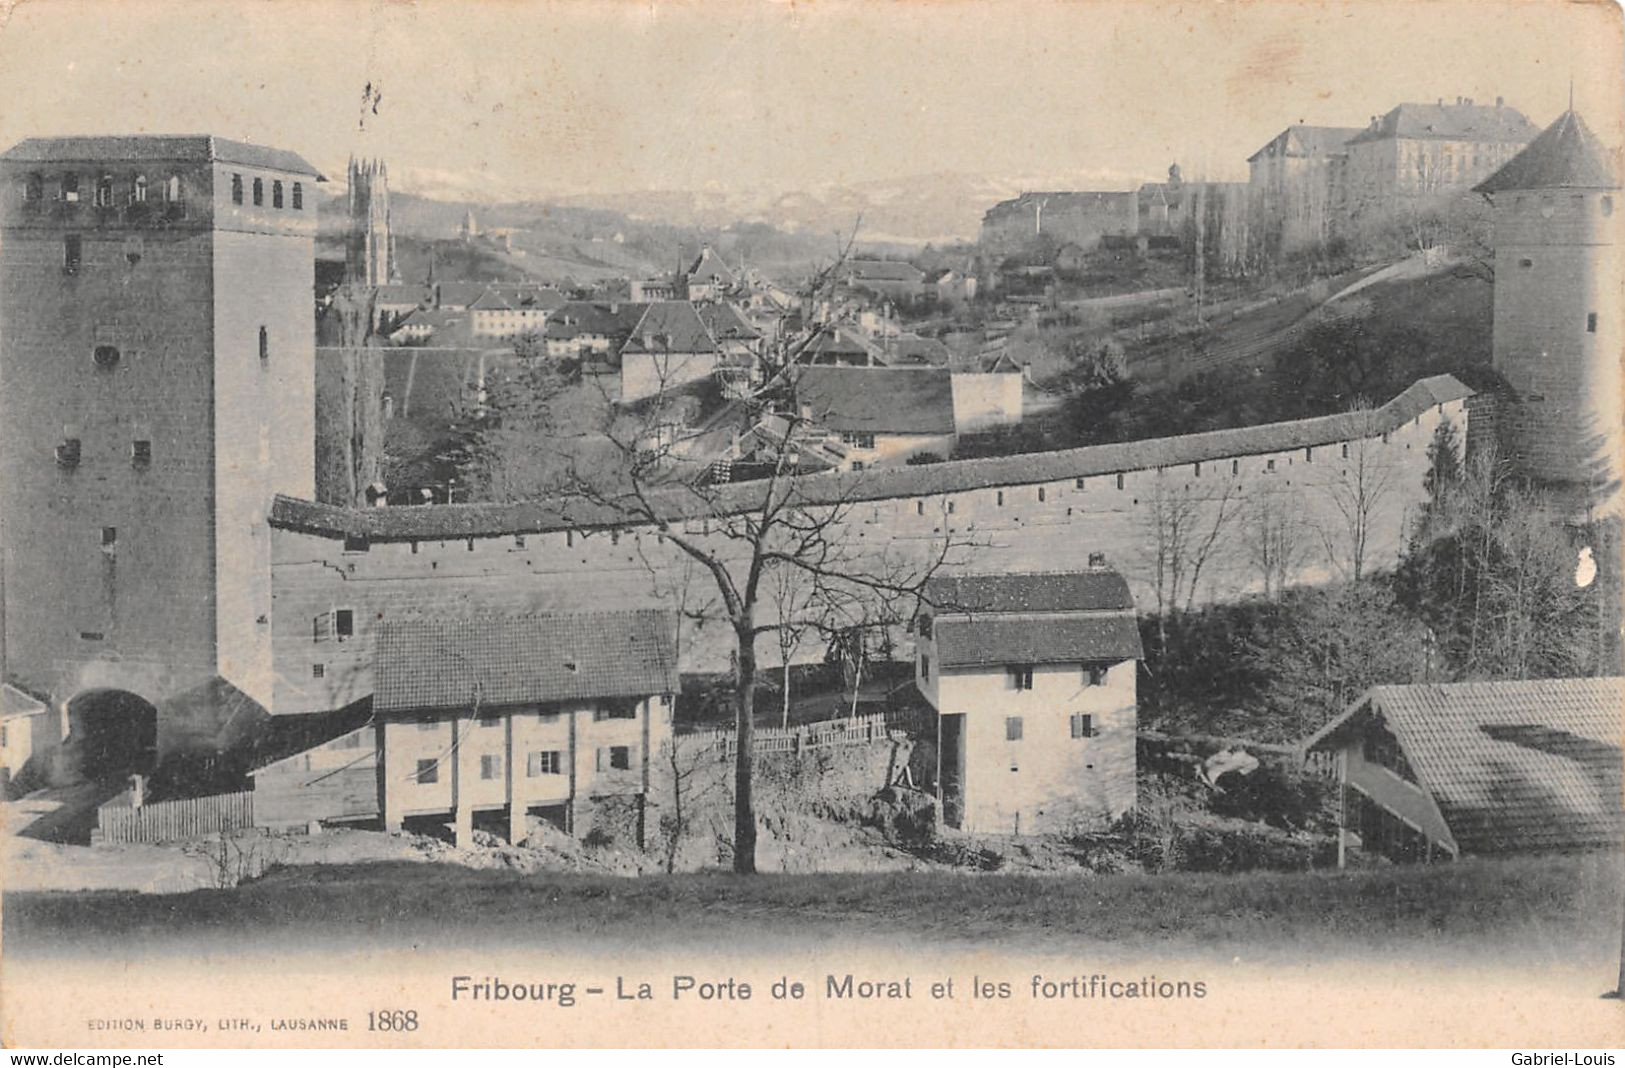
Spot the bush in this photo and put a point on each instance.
(1279, 796)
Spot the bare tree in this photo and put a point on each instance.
(1183, 528)
(642, 475)
(1358, 492)
(1275, 538)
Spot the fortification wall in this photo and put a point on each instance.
(1040, 520)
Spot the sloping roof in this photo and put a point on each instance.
(1037, 639)
(885, 400)
(725, 323)
(187, 148)
(883, 271)
(1304, 141)
(491, 300)
(1566, 155)
(670, 326)
(402, 293)
(527, 295)
(459, 293)
(15, 703)
(913, 349)
(708, 267)
(531, 659)
(1054, 591)
(433, 522)
(1515, 766)
(840, 340)
(580, 317)
(1450, 122)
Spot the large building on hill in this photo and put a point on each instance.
(1290, 183)
(1558, 339)
(1419, 151)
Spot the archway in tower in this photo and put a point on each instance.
(114, 734)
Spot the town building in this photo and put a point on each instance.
(891, 279)
(514, 714)
(1418, 152)
(1033, 679)
(1290, 184)
(22, 718)
(1444, 770)
(1557, 332)
(508, 311)
(668, 348)
(369, 245)
(882, 415)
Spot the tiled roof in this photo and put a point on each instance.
(886, 400)
(708, 267)
(516, 660)
(433, 522)
(579, 318)
(1303, 141)
(158, 148)
(1450, 122)
(725, 323)
(913, 349)
(1058, 591)
(840, 340)
(1037, 639)
(459, 294)
(1567, 155)
(883, 271)
(1515, 766)
(402, 293)
(670, 326)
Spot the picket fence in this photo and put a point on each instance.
(853, 730)
(171, 821)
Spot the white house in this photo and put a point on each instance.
(1033, 680)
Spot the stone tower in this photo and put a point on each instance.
(369, 255)
(1558, 341)
(158, 360)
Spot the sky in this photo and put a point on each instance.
(534, 99)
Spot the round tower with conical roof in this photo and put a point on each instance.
(1558, 340)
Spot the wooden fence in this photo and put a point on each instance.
(169, 821)
(853, 730)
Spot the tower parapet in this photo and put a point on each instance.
(1558, 340)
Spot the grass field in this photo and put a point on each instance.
(1546, 909)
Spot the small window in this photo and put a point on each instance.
(614, 710)
(138, 195)
(925, 665)
(859, 465)
(1001, 498)
(265, 345)
(1526, 262)
(1119, 481)
(344, 623)
(547, 716)
(104, 191)
(1095, 675)
(236, 189)
(919, 507)
(105, 355)
(428, 772)
(34, 187)
(72, 253)
(140, 454)
(259, 192)
(67, 453)
(298, 196)
(318, 671)
(1269, 465)
(1080, 483)
(490, 766)
(276, 194)
(1197, 467)
(357, 543)
(1012, 728)
(1235, 467)
(1083, 725)
(1040, 494)
(615, 758)
(1308, 454)
(172, 189)
(109, 537)
(1591, 322)
(70, 188)
(1020, 676)
(543, 762)
(1345, 450)
(518, 541)
(950, 507)
(489, 720)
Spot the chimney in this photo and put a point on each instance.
(1097, 561)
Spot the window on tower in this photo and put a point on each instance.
(141, 454)
(265, 346)
(72, 253)
(298, 196)
(236, 189)
(1591, 322)
(259, 192)
(276, 194)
